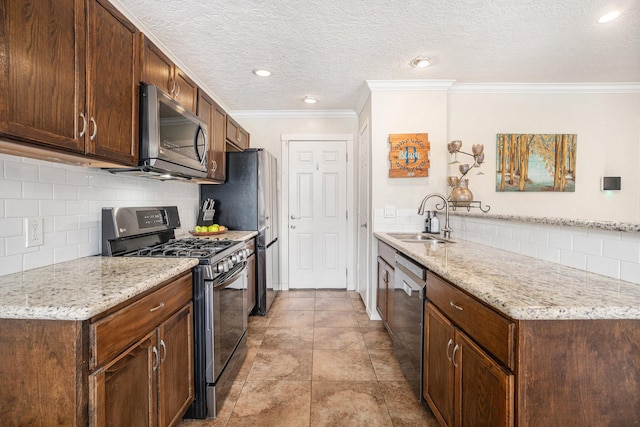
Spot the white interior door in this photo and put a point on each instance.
(317, 214)
(363, 214)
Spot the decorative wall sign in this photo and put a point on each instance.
(536, 162)
(409, 155)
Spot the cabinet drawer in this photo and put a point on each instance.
(387, 253)
(492, 331)
(112, 334)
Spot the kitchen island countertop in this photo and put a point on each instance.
(85, 287)
(523, 287)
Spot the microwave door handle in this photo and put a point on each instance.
(203, 157)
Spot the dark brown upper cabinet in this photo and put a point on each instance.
(238, 137)
(215, 117)
(70, 79)
(159, 70)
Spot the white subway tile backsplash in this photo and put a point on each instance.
(19, 171)
(10, 189)
(604, 266)
(70, 200)
(630, 271)
(587, 245)
(539, 236)
(561, 240)
(21, 208)
(621, 250)
(549, 254)
(521, 234)
(52, 175)
(529, 249)
(573, 259)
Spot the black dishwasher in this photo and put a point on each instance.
(408, 306)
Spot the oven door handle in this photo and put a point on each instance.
(230, 277)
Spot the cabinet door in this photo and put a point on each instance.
(438, 367)
(243, 138)
(251, 282)
(381, 289)
(124, 392)
(42, 51)
(175, 373)
(186, 92)
(157, 68)
(219, 166)
(391, 283)
(112, 84)
(484, 390)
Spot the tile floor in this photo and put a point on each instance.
(317, 360)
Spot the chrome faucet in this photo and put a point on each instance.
(446, 230)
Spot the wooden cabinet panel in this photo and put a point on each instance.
(113, 75)
(209, 111)
(236, 135)
(438, 370)
(124, 391)
(175, 346)
(42, 60)
(159, 70)
(71, 79)
(484, 390)
(488, 328)
(113, 333)
(384, 293)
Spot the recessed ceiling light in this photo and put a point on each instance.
(261, 72)
(310, 99)
(420, 62)
(607, 17)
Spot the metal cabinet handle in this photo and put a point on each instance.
(164, 351)
(172, 86)
(95, 128)
(214, 166)
(157, 307)
(177, 92)
(156, 358)
(456, 306)
(448, 347)
(84, 124)
(453, 355)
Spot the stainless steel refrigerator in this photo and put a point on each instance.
(248, 201)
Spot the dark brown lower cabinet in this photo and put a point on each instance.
(463, 385)
(151, 383)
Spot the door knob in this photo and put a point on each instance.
(293, 227)
(294, 217)
(363, 225)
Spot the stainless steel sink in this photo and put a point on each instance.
(419, 238)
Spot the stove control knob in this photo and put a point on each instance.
(220, 267)
(227, 265)
(246, 253)
(234, 258)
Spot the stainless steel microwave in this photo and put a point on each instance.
(173, 141)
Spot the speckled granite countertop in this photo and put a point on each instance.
(522, 287)
(567, 222)
(83, 288)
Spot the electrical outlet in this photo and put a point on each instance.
(34, 230)
(389, 211)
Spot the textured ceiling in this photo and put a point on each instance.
(329, 48)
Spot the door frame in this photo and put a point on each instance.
(351, 203)
(363, 272)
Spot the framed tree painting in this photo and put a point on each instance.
(536, 162)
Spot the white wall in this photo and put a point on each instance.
(70, 199)
(608, 144)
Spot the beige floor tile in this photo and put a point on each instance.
(297, 338)
(338, 403)
(255, 335)
(376, 338)
(331, 293)
(354, 295)
(298, 293)
(404, 407)
(337, 339)
(281, 364)
(259, 321)
(358, 305)
(385, 365)
(297, 304)
(335, 319)
(243, 372)
(365, 322)
(334, 304)
(294, 318)
(339, 365)
(273, 403)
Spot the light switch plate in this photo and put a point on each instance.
(389, 211)
(34, 231)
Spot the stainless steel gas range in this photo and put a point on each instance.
(219, 288)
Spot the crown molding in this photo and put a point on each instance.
(293, 114)
(631, 87)
(384, 85)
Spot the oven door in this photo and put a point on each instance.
(226, 318)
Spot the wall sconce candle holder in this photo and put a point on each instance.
(461, 195)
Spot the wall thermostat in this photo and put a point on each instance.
(610, 183)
